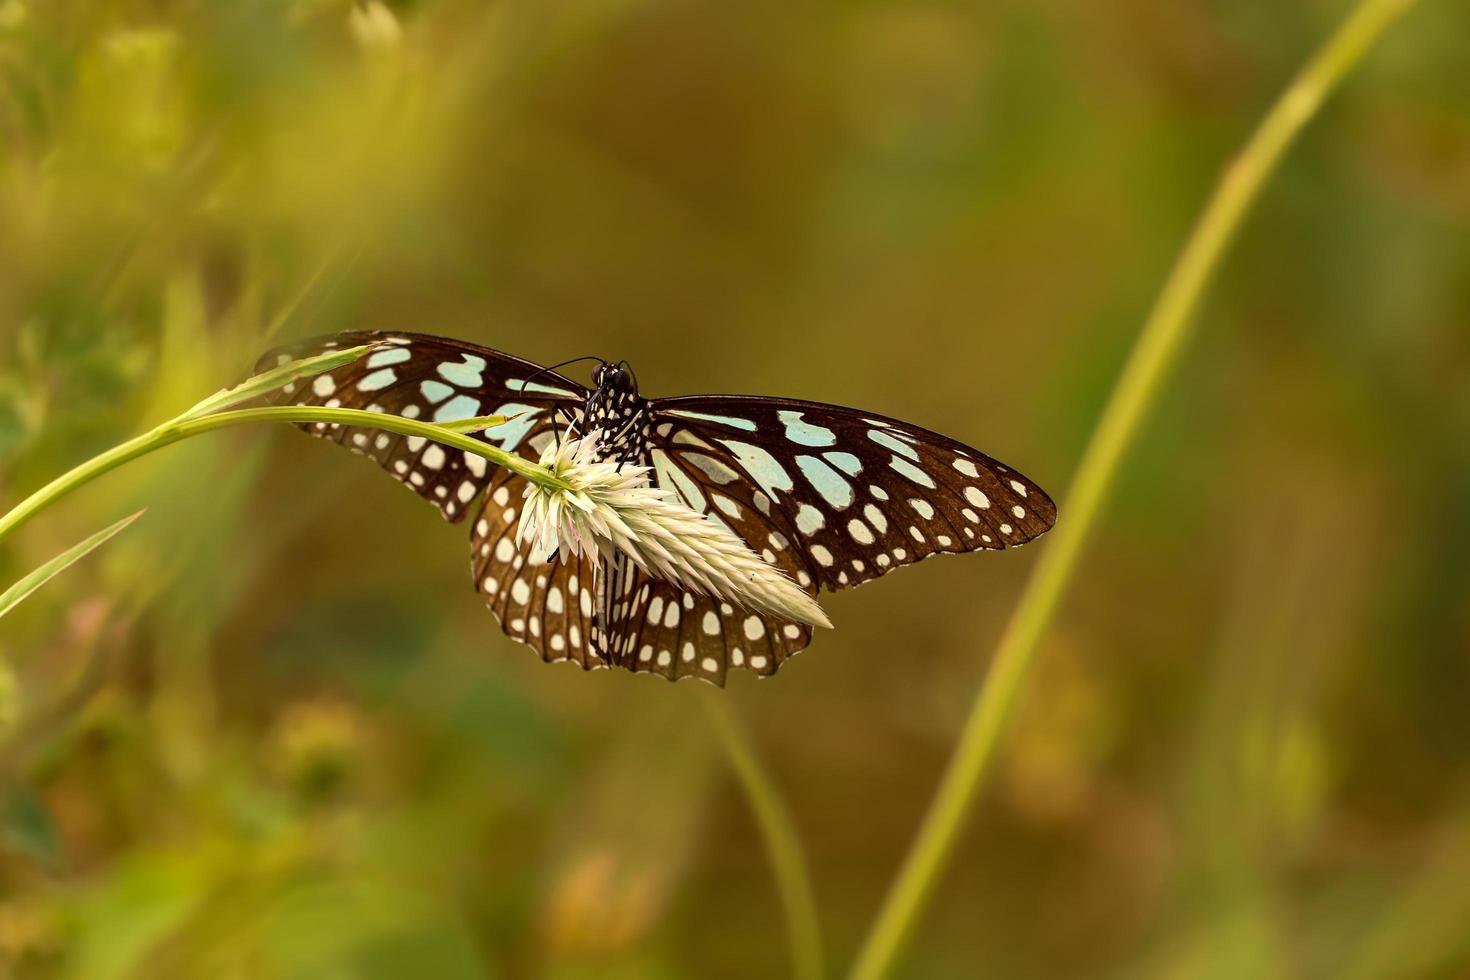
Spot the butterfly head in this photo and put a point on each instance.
(615, 378)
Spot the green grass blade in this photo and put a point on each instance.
(277, 377)
(20, 590)
(778, 831)
(477, 424)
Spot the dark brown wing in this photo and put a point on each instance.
(835, 495)
(437, 380)
(551, 607)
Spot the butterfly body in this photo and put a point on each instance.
(833, 497)
(616, 410)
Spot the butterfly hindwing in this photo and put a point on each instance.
(677, 634)
(839, 496)
(435, 380)
(551, 607)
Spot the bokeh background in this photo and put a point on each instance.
(270, 732)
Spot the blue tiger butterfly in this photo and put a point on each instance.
(831, 496)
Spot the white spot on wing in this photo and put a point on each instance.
(875, 517)
(809, 520)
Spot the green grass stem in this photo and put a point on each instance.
(1136, 391)
(778, 833)
(184, 427)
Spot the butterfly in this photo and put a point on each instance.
(831, 496)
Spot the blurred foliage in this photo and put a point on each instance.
(270, 733)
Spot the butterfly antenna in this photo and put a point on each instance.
(548, 370)
(555, 432)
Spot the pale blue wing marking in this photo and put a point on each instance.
(730, 420)
(466, 374)
(383, 358)
(378, 380)
(826, 481)
(519, 384)
(458, 407)
(513, 430)
(712, 468)
(435, 391)
(671, 477)
(888, 441)
(846, 462)
(805, 433)
(912, 472)
(761, 465)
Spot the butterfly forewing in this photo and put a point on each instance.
(841, 496)
(434, 380)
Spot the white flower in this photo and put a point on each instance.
(607, 508)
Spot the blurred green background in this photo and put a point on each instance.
(270, 732)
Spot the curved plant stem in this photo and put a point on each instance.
(1136, 390)
(185, 426)
(783, 844)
